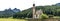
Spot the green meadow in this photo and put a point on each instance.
(11, 19)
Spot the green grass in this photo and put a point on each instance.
(56, 16)
(11, 19)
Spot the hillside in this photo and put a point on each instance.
(49, 10)
(52, 10)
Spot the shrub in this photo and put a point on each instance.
(43, 16)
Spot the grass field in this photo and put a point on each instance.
(11, 19)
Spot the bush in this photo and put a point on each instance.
(43, 16)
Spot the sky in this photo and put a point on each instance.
(24, 4)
